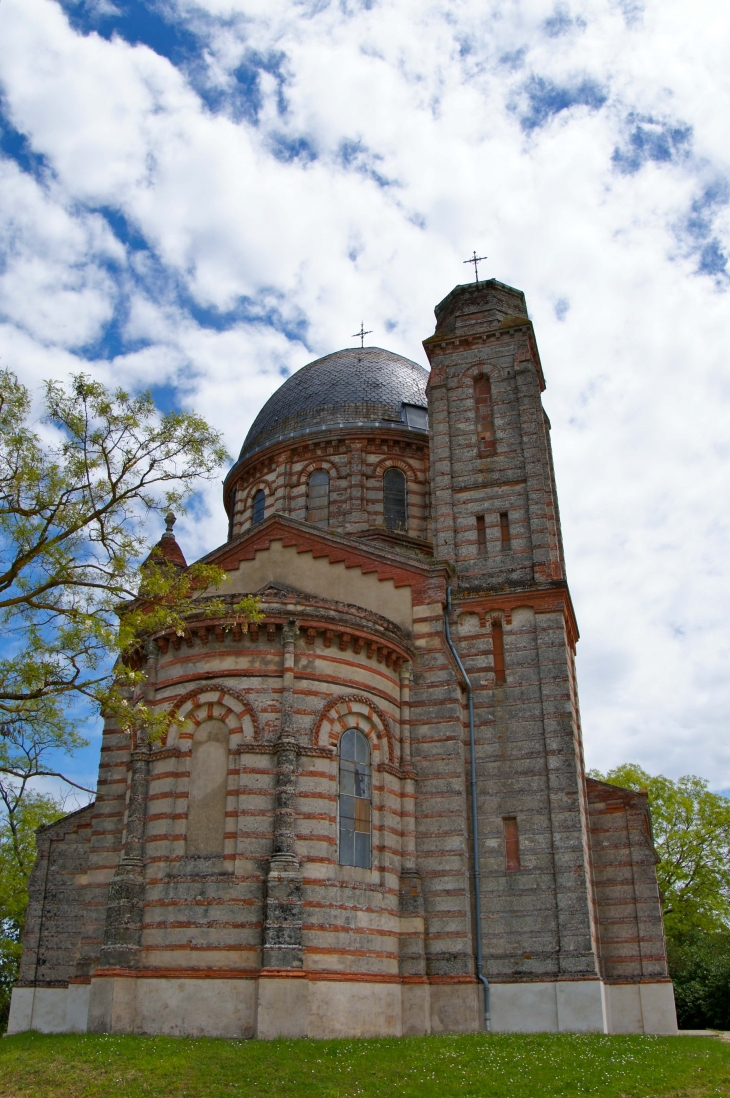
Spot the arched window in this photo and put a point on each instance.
(259, 507)
(355, 799)
(484, 416)
(207, 792)
(394, 499)
(318, 497)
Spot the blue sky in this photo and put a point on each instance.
(203, 196)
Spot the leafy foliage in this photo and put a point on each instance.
(78, 590)
(700, 969)
(20, 815)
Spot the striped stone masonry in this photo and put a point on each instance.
(206, 892)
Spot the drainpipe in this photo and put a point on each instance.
(474, 820)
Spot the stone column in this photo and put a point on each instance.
(357, 517)
(412, 956)
(284, 496)
(283, 917)
(441, 462)
(125, 906)
(411, 938)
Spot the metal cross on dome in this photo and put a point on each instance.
(362, 333)
(476, 260)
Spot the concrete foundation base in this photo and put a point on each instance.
(574, 1006)
(49, 1009)
(583, 1006)
(304, 1006)
(640, 1008)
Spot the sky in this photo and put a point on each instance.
(200, 196)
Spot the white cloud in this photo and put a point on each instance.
(315, 164)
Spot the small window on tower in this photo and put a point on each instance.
(511, 843)
(498, 651)
(258, 508)
(484, 416)
(318, 498)
(232, 513)
(481, 535)
(504, 532)
(394, 499)
(355, 799)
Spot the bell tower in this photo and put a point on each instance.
(495, 521)
(495, 512)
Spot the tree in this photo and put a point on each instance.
(691, 829)
(21, 812)
(700, 969)
(79, 590)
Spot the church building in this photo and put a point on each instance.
(371, 814)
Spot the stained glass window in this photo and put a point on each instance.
(355, 799)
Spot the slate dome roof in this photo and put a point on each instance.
(359, 385)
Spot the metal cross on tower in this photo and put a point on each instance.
(362, 333)
(476, 259)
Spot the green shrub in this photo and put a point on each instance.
(700, 971)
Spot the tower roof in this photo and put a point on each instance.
(167, 547)
(358, 385)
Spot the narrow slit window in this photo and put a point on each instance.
(481, 534)
(355, 800)
(258, 508)
(484, 416)
(318, 498)
(394, 499)
(504, 531)
(232, 515)
(511, 843)
(498, 651)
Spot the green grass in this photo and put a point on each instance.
(479, 1065)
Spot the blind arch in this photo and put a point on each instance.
(207, 790)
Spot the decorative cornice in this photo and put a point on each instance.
(548, 600)
(339, 433)
(343, 626)
(439, 345)
(403, 570)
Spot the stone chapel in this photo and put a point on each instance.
(371, 814)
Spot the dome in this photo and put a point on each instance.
(357, 386)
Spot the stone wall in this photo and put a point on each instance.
(207, 913)
(630, 931)
(356, 461)
(537, 914)
(57, 894)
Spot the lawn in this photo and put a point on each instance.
(485, 1066)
